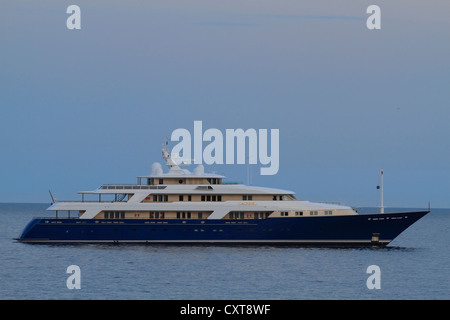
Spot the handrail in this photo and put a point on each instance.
(56, 218)
(338, 203)
(130, 187)
(90, 201)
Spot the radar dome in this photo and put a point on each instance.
(200, 170)
(157, 169)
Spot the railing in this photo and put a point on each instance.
(97, 201)
(129, 187)
(56, 217)
(337, 203)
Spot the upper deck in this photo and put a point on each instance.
(179, 192)
(182, 181)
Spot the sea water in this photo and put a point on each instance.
(416, 265)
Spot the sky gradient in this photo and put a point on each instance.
(80, 108)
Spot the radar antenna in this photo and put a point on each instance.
(166, 155)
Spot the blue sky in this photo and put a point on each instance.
(80, 108)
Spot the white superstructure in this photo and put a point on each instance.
(181, 194)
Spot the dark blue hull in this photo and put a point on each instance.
(363, 229)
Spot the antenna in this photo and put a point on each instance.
(53, 199)
(166, 156)
(381, 187)
(165, 146)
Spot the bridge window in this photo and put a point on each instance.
(160, 197)
(114, 214)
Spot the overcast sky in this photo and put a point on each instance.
(80, 108)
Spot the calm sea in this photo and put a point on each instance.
(414, 266)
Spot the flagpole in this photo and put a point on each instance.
(381, 186)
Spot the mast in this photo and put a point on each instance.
(381, 187)
(166, 156)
